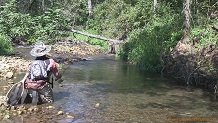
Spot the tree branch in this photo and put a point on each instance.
(97, 36)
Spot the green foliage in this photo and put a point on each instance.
(76, 10)
(48, 27)
(114, 18)
(93, 41)
(149, 34)
(97, 42)
(12, 23)
(206, 35)
(5, 45)
(101, 43)
(15, 24)
(145, 46)
(204, 6)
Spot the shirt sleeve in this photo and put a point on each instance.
(53, 68)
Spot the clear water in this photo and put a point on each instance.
(107, 90)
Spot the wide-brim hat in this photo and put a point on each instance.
(40, 49)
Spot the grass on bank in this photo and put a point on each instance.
(93, 41)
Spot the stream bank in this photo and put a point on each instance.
(193, 66)
(106, 89)
(61, 53)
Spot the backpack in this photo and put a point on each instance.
(38, 70)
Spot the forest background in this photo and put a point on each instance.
(172, 37)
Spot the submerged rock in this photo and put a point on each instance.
(3, 100)
(69, 116)
(60, 112)
(50, 107)
(97, 105)
(6, 117)
(9, 75)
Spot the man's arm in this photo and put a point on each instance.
(53, 68)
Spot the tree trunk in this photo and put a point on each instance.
(90, 7)
(208, 10)
(53, 3)
(186, 25)
(155, 5)
(43, 6)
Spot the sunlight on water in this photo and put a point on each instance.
(106, 89)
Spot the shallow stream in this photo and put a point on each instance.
(105, 89)
(108, 90)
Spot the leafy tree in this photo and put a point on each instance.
(145, 46)
(148, 34)
(48, 26)
(5, 45)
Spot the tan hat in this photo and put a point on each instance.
(40, 49)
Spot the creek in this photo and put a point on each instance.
(105, 89)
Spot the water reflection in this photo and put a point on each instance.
(106, 89)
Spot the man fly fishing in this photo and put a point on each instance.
(41, 69)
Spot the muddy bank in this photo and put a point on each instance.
(193, 66)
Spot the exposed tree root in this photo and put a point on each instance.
(193, 66)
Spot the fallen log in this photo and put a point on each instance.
(111, 41)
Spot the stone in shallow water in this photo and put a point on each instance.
(20, 112)
(97, 105)
(50, 107)
(3, 101)
(60, 112)
(9, 75)
(36, 109)
(6, 117)
(69, 117)
(10, 83)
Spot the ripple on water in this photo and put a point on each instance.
(109, 90)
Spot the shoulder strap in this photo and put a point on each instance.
(47, 62)
(39, 69)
